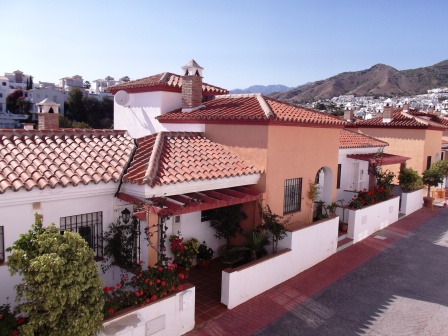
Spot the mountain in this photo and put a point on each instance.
(262, 89)
(379, 80)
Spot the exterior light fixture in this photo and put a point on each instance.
(126, 215)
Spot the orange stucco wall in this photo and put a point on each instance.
(283, 152)
(416, 144)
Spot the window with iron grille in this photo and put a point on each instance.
(293, 195)
(89, 226)
(2, 244)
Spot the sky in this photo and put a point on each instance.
(239, 43)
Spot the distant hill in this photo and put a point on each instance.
(379, 80)
(262, 89)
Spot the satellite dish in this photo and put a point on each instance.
(122, 98)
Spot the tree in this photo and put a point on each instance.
(12, 99)
(227, 221)
(432, 177)
(274, 225)
(76, 105)
(65, 122)
(61, 292)
(125, 79)
(87, 85)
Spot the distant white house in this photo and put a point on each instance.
(36, 95)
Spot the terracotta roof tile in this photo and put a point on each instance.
(44, 159)
(166, 80)
(173, 157)
(400, 119)
(254, 108)
(352, 139)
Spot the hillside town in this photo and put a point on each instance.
(184, 156)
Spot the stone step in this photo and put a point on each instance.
(344, 243)
(342, 235)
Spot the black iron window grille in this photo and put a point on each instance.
(89, 226)
(2, 244)
(293, 195)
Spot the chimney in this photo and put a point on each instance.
(387, 111)
(48, 115)
(431, 108)
(348, 113)
(406, 106)
(192, 87)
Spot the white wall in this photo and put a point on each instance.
(366, 221)
(411, 201)
(192, 227)
(173, 315)
(17, 211)
(308, 246)
(347, 172)
(138, 116)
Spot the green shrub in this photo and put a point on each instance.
(409, 180)
(61, 292)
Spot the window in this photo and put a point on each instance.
(89, 226)
(205, 215)
(1, 95)
(2, 245)
(442, 155)
(338, 185)
(428, 162)
(293, 195)
(3, 83)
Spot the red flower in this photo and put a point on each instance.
(15, 332)
(118, 285)
(147, 300)
(163, 283)
(172, 288)
(158, 280)
(179, 287)
(111, 311)
(123, 278)
(141, 262)
(153, 298)
(106, 289)
(160, 268)
(140, 275)
(20, 320)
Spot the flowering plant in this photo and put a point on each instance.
(9, 322)
(369, 197)
(184, 252)
(146, 286)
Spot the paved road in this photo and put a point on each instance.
(393, 283)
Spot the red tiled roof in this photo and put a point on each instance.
(164, 81)
(44, 159)
(192, 202)
(351, 139)
(400, 119)
(173, 157)
(254, 108)
(382, 160)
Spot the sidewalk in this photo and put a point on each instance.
(276, 305)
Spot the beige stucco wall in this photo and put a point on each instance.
(283, 152)
(416, 144)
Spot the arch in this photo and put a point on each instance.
(324, 179)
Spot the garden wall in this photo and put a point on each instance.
(300, 250)
(363, 222)
(411, 201)
(172, 315)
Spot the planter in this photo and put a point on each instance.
(343, 227)
(203, 263)
(428, 202)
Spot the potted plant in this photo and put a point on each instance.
(205, 254)
(256, 240)
(409, 180)
(184, 252)
(431, 178)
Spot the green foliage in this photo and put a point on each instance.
(65, 122)
(432, 177)
(233, 254)
(120, 242)
(205, 252)
(89, 110)
(442, 166)
(61, 292)
(227, 221)
(410, 180)
(274, 225)
(147, 286)
(256, 240)
(15, 102)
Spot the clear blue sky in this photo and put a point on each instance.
(238, 42)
